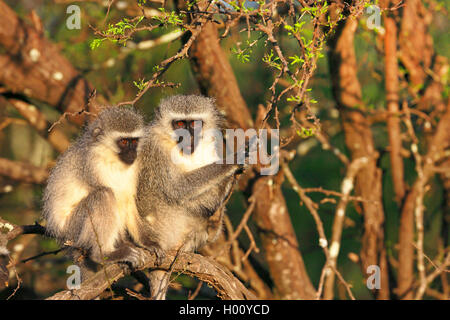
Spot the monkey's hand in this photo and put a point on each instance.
(246, 164)
(240, 169)
(135, 257)
(155, 248)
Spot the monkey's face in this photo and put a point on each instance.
(128, 149)
(187, 134)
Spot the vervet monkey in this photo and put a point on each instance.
(181, 184)
(89, 200)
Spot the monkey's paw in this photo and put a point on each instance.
(158, 252)
(136, 257)
(241, 168)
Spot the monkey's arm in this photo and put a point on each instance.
(163, 178)
(194, 183)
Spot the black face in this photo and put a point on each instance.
(194, 128)
(128, 149)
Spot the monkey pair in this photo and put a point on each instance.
(117, 191)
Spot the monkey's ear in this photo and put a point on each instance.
(96, 132)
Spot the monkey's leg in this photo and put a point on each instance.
(145, 237)
(87, 267)
(96, 225)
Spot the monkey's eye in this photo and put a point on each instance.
(122, 143)
(134, 142)
(178, 124)
(194, 123)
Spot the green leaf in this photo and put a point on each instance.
(141, 84)
(96, 43)
(296, 59)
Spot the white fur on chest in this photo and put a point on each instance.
(110, 172)
(113, 173)
(121, 178)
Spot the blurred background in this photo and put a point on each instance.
(112, 68)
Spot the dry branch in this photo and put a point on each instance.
(205, 269)
(359, 141)
(34, 67)
(280, 244)
(323, 242)
(439, 142)
(338, 223)
(425, 71)
(393, 122)
(22, 171)
(232, 259)
(15, 230)
(216, 77)
(36, 119)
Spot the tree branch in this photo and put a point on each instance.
(22, 171)
(393, 122)
(33, 66)
(204, 268)
(359, 141)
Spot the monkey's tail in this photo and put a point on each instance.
(159, 283)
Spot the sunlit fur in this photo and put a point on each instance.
(178, 199)
(90, 195)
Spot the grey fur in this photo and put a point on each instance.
(188, 105)
(91, 221)
(178, 204)
(176, 209)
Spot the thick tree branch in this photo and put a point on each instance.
(279, 241)
(22, 171)
(37, 120)
(205, 269)
(359, 141)
(33, 66)
(393, 122)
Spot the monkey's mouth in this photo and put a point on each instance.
(128, 156)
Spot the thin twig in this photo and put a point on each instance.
(323, 242)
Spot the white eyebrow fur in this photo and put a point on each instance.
(190, 115)
(135, 134)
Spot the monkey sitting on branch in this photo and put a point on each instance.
(124, 187)
(183, 179)
(89, 200)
